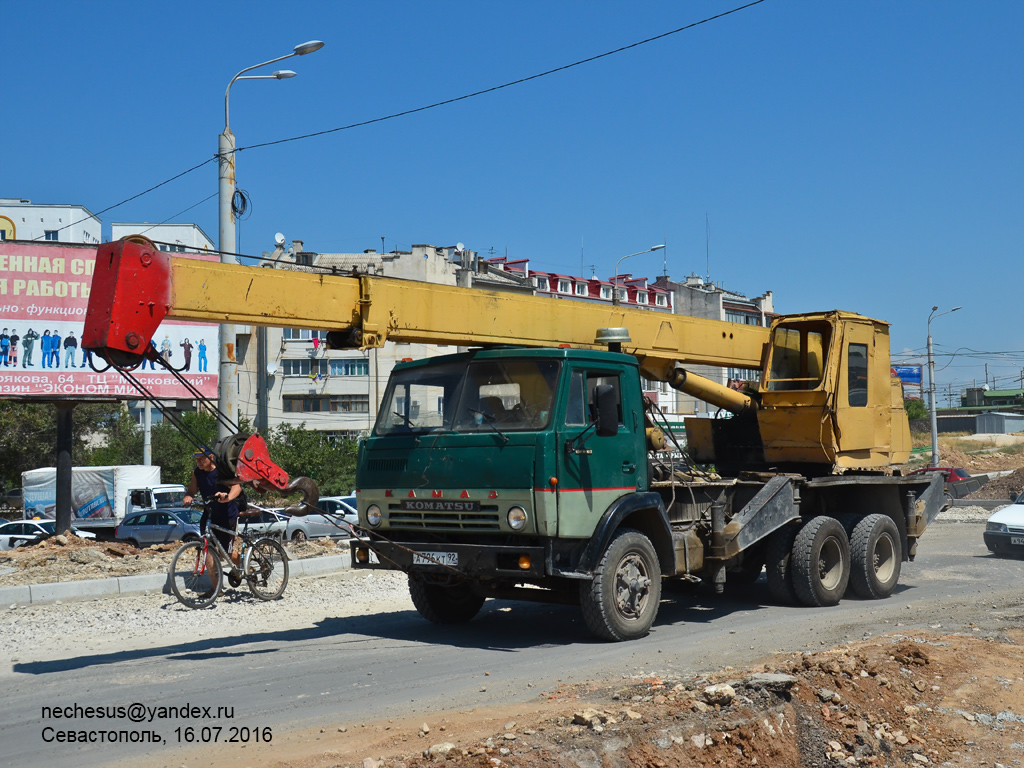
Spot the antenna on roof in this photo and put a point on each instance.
(664, 255)
(581, 256)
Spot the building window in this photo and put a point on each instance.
(350, 403)
(606, 292)
(541, 283)
(661, 300)
(304, 367)
(563, 286)
(745, 318)
(3, 235)
(641, 297)
(622, 294)
(51, 234)
(350, 367)
(332, 404)
(303, 334)
(581, 289)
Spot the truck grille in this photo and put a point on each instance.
(388, 465)
(484, 520)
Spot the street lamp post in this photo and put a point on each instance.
(227, 392)
(615, 291)
(931, 385)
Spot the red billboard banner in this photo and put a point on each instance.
(44, 292)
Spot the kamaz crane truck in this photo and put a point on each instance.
(531, 467)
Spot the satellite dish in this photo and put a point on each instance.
(279, 238)
(271, 369)
(459, 247)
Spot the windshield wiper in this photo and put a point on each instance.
(406, 419)
(490, 421)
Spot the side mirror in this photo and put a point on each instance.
(1014, 496)
(606, 411)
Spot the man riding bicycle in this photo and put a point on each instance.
(221, 508)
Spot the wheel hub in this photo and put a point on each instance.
(632, 586)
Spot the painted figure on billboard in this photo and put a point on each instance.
(86, 358)
(15, 338)
(165, 348)
(70, 347)
(145, 360)
(202, 356)
(187, 346)
(5, 346)
(46, 347)
(55, 341)
(30, 343)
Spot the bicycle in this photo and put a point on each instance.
(264, 567)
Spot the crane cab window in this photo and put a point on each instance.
(579, 410)
(857, 364)
(798, 358)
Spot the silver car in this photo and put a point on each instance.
(335, 525)
(159, 526)
(20, 532)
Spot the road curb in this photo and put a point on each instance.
(116, 586)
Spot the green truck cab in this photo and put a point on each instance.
(495, 469)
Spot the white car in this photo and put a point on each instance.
(266, 522)
(30, 531)
(1004, 531)
(335, 525)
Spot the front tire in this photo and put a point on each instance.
(266, 569)
(821, 562)
(876, 552)
(444, 604)
(621, 602)
(191, 582)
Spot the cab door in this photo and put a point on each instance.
(594, 471)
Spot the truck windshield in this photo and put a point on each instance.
(478, 396)
(169, 498)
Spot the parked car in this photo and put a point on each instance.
(141, 529)
(30, 531)
(266, 522)
(1004, 531)
(959, 482)
(12, 499)
(342, 510)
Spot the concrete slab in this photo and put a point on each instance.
(19, 594)
(74, 590)
(317, 566)
(138, 585)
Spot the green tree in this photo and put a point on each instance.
(28, 435)
(172, 450)
(331, 463)
(915, 409)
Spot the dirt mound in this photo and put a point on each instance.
(892, 701)
(1002, 487)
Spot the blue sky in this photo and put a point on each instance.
(867, 156)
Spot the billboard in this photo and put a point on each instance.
(44, 292)
(908, 374)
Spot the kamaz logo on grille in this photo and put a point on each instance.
(439, 505)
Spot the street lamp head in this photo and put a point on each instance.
(312, 45)
(658, 247)
(954, 309)
(935, 309)
(283, 74)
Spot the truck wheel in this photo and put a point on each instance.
(876, 554)
(821, 562)
(777, 556)
(299, 537)
(444, 604)
(621, 601)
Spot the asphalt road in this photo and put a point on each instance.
(359, 669)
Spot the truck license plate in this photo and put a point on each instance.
(1017, 540)
(435, 558)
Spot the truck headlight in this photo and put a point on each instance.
(998, 527)
(516, 518)
(373, 515)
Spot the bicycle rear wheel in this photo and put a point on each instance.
(266, 569)
(192, 582)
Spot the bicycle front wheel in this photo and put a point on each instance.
(195, 585)
(266, 569)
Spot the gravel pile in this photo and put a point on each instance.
(966, 514)
(40, 632)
